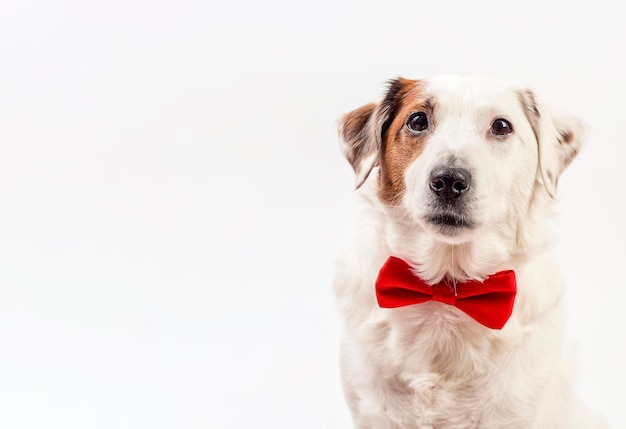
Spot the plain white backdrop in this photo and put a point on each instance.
(172, 196)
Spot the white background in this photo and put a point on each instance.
(172, 196)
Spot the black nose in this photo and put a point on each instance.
(449, 183)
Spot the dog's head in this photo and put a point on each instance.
(457, 154)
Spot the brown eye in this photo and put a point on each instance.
(501, 127)
(417, 122)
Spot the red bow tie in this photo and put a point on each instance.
(489, 302)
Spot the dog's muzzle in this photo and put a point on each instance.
(449, 187)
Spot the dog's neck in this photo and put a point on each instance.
(492, 249)
(435, 260)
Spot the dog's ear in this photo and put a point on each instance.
(360, 144)
(362, 130)
(559, 139)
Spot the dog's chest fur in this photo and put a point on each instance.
(430, 365)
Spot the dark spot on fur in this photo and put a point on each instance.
(566, 137)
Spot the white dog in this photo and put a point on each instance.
(451, 299)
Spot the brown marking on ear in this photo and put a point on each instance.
(566, 137)
(400, 147)
(531, 110)
(559, 144)
(529, 105)
(570, 156)
(532, 104)
(355, 134)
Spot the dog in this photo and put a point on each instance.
(451, 301)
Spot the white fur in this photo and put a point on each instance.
(429, 365)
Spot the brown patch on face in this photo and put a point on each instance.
(400, 147)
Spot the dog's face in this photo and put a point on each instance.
(456, 155)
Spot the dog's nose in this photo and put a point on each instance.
(449, 183)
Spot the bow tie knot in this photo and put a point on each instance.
(444, 293)
(489, 302)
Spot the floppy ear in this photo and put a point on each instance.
(360, 142)
(559, 139)
(362, 130)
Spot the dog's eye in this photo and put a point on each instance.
(501, 127)
(417, 122)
